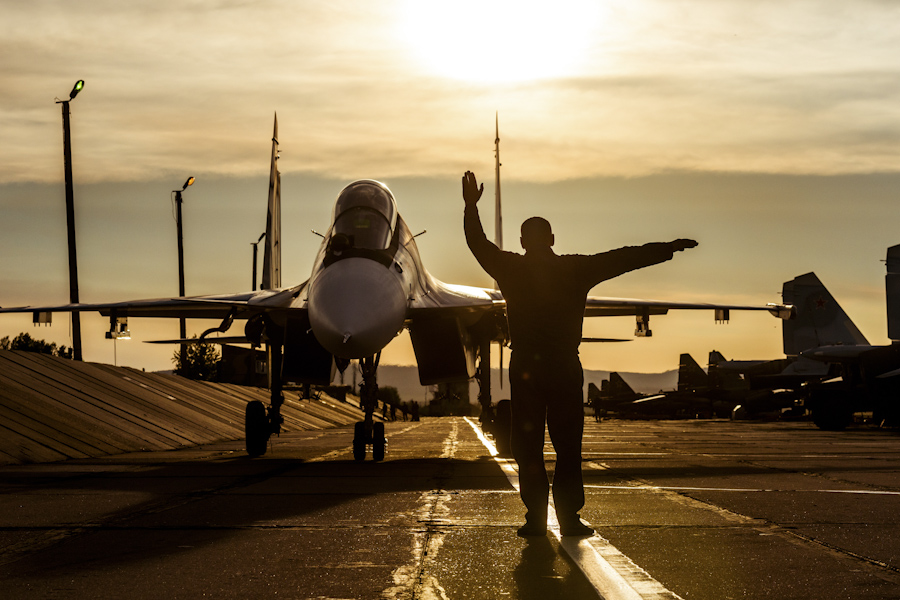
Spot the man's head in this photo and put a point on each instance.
(536, 234)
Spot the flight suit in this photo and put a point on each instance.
(545, 297)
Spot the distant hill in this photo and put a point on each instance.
(406, 380)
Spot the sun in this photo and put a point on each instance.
(501, 40)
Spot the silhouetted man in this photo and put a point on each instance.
(545, 300)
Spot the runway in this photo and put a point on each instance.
(689, 509)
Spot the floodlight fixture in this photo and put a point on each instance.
(78, 85)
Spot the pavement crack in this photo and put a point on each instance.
(414, 581)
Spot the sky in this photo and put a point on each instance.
(767, 131)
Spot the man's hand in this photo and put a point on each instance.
(679, 245)
(471, 191)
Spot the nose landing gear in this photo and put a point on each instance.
(368, 432)
(364, 437)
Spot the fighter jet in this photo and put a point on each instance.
(869, 375)
(750, 388)
(697, 395)
(616, 396)
(820, 332)
(367, 283)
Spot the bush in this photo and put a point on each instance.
(25, 342)
(201, 361)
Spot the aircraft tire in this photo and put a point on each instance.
(256, 428)
(378, 442)
(359, 441)
(502, 428)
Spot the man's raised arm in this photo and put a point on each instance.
(483, 250)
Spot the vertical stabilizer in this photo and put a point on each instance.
(718, 376)
(619, 388)
(271, 275)
(819, 320)
(498, 215)
(716, 357)
(691, 375)
(892, 292)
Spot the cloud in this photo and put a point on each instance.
(173, 86)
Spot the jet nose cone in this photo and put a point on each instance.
(356, 306)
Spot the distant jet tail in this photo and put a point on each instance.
(271, 275)
(719, 373)
(618, 387)
(716, 357)
(690, 375)
(892, 292)
(819, 320)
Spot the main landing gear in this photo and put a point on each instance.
(260, 424)
(495, 420)
(367, 432)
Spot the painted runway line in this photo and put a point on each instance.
(613, 575)
(743, 490)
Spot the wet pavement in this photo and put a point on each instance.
(691, 509)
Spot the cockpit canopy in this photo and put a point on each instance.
(366, 213)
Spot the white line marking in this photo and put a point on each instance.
(613, 575)
(715, 489)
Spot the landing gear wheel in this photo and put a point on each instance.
(359, 441)
(256, 428)
(378, 442)
(502, 428)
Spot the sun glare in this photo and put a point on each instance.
(501, 40)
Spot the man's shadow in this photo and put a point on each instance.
(544, 571)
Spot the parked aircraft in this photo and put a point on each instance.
(869, 375)
(698, 394)
(615, 396)
(748, 388)
(367, 283)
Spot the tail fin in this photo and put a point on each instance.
(690, 375)
(498, 216)
(715, 357)
(892, 292)
(618, 387)
(719, 376)
(271, 275)
(819, 320)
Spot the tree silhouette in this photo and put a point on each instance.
(25, 342)
(201, 361)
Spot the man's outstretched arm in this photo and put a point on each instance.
(616, 262)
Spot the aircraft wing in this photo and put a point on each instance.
(446, 297)
(243, 305)
(598, 306)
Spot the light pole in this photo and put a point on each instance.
(255, 252)
(181, 322)
(70, 220)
